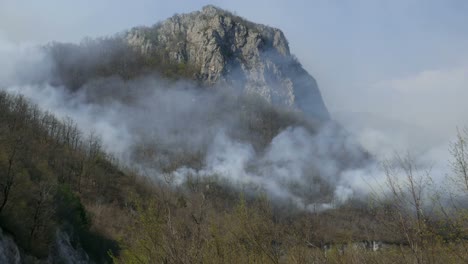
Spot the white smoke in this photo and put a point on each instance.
(148, 111)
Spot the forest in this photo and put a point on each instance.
(54, 178)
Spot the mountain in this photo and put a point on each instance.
(229, 49)
(213, 47)
(201, 139)
(197, 110)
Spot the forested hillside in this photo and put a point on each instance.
(58, 182)
(202, 139)
(49, 172)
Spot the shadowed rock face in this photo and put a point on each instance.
(226, 49)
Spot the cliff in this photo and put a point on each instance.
(223, 48)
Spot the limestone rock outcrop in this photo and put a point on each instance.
(226, 49)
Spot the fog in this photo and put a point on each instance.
(387, 105)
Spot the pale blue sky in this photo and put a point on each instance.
(406, 59)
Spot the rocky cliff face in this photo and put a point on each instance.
(226, 49)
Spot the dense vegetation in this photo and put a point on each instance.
(54, 178)
(48, 172)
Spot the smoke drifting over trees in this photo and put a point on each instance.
(165, 126)
(227, 175)
(161, 125)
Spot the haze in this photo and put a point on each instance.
(404, 61)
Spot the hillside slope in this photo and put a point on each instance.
(49, 174)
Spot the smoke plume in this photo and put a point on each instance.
(177, 128)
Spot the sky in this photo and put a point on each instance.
(406, 60)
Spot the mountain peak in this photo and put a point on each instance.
(212, 9)
(214, 47)
(225, 48)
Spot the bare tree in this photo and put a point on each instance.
(405, 189)
(459, 151)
